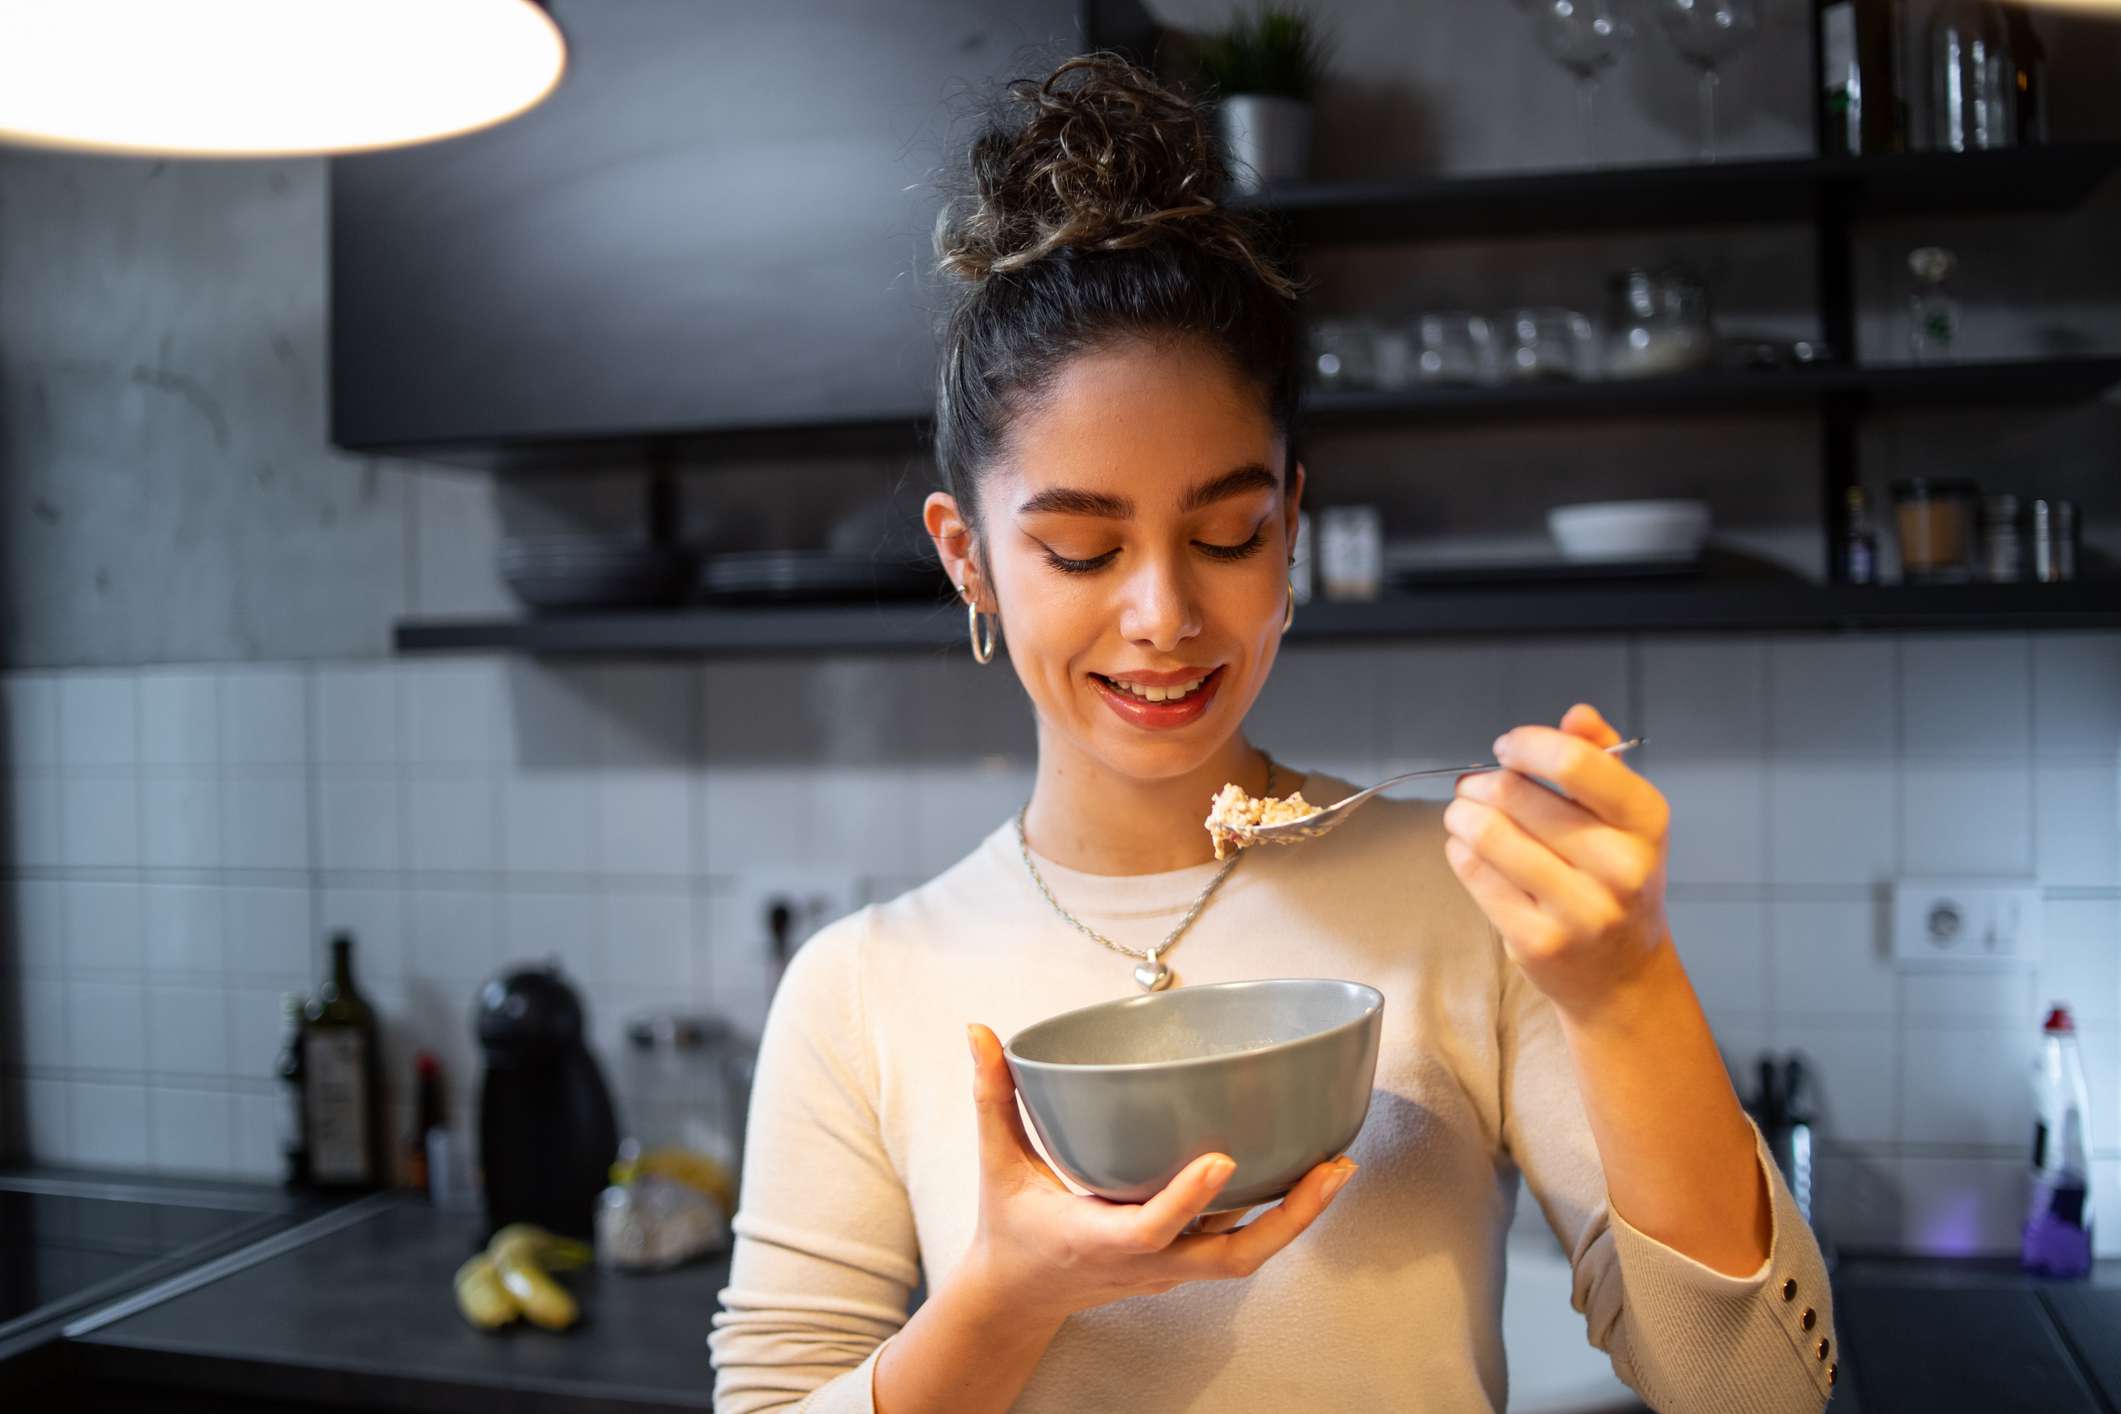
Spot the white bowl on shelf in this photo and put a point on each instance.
(1598, 531)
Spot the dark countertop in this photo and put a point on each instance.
(365, 1315)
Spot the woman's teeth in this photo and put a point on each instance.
(1159, 694)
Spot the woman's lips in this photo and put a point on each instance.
(1159, 716)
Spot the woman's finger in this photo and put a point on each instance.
(1551, 881)
(1588, 722)
(1003, 1144)
(1151, 1226)
(1614, 857)
(1597, 780)
(1218, 1222)
(1239, 1254)
(1513, 911)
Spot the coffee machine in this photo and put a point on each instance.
(547, 1134)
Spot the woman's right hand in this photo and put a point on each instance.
(1042, 1250)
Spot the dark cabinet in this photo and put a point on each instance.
(720, 221)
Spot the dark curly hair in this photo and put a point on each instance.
(1092, 213)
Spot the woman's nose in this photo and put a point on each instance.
(1160, 612)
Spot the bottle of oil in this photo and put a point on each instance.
(342, 1088)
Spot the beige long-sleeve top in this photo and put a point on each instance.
(862, 1170)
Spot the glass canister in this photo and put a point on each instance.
(1936, 524)
(2002, 547)
(1343, 355)
(687, 1082)
(1454, 346)
(1657, 322)
(1548, 343)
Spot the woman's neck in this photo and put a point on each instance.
(1086, 817)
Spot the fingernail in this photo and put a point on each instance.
(1219, 1172)
(1338, 1180)
(972, 1040)
(1500, 742)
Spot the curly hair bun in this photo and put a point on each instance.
(1098, 156)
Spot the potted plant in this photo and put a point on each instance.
(1262, 72)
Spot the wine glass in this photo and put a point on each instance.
(1584, 37)
(1706, 32)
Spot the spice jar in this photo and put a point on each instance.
(2054, 541)
(2002, 549)
(1936, 522)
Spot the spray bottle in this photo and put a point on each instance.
(2058, 1231)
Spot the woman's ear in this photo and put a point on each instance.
(953, 542)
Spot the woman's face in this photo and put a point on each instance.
(1138, 535)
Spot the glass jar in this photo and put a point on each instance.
(2002, 547)
(687, 1082)
(1973, 82)
(1548, 343)
(1936, 524)
(1343, 355)
(1657, 323)
(1454, 346)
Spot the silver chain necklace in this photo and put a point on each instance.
(1152, 973)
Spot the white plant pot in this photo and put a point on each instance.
(1266, 140)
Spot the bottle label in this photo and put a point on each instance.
(334, 1081)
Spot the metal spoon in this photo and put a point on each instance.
(1330, 818)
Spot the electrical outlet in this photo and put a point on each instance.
(1965, 923)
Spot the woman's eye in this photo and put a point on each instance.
(1067, 566)
(1235, 552)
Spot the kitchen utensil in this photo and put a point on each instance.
(1936, 522)
(1332, 816)
(1276, 1074)
(1657, 323)
(547, 1133)
(1630, 530)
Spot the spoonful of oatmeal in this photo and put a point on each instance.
(1237, 818)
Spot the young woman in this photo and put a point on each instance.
(1117, 388)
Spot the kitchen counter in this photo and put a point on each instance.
(354, 1310)
(364, 1317)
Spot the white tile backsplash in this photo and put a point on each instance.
(462, 815)
(180, 718)
(99, 721)
(1966, 1084)
(30, 703)
(546, 822)
(359, 823)
(103, 927)
(1966, 695)
(1833, 823)
(355, 709)
(106, 1026)
(265, 822)
(99, 822)
(1832, 696)
(1705, 696)
(2077, 694)
(109, 1125)
(1966, 819)
(180, 822)
(194, 1130)
(2077, 823)
(264, 721)
(452, 823)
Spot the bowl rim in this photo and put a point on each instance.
(1373, 1004)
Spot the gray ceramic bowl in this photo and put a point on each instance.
(1276, 1074)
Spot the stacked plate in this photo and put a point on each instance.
(559, 573)
(815, 576)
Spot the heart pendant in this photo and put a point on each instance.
(1153, 975)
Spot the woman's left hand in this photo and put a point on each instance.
(1575, 883)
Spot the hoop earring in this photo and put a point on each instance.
(1289, 618)
(982, 651)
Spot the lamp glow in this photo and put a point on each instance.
(267, 78)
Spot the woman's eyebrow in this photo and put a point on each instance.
(1067, 501)
(1248, 478)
